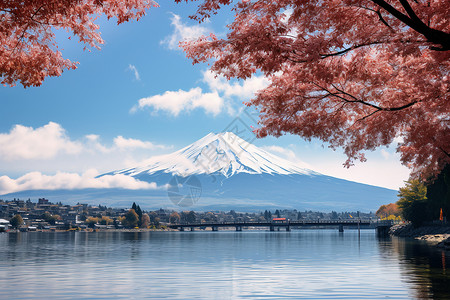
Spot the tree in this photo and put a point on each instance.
(29, 51)
(390, 209)
(356, 74)
(174, 217)
(140, 215)
(138, 210)
(104, 220)
(145, 221)
(131, 219)
(412, 201)
(51, 219)
(438, 194)
(16, 221)
(91, 221)
(191, 217)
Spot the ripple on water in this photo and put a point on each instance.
(309, 264)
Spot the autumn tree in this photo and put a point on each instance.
(174, 217)
(131, 219)
(390, 209)
(105, 220)
(29, 51)
(356, 74)
(91, 221)
(145, 220)
(412, 201)
(16, 221)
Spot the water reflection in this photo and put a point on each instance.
(421, 266)
(219, 265)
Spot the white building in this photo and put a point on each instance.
(4, 225)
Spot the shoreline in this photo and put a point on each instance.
(93, 230)
(434, 235)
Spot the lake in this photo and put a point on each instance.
(310, 264)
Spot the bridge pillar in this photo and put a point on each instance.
(238, 228)
(215, 228)
(272, 228)
(181, 228)
(341, 228)
(192, 228)
(288, 228)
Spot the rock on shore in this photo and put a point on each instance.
(435, 235)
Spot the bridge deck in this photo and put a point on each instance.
(302, 223)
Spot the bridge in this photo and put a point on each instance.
(382, 227)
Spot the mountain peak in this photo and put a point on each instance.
(222, 153)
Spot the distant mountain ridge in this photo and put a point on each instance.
(224, 172)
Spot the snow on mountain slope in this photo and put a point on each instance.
(223, 153)
(230, 174)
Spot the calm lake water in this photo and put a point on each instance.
(307, 264)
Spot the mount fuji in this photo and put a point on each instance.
(224, 172)
(231, 173)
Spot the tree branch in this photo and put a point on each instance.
(356, 100)
(445, 152)
(349, 49)
(434, 36)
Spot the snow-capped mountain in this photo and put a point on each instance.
(223, 153)
(235, 174)
(224, 172)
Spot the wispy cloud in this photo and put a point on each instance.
(133, 69)
(183, 32)
(70, 181)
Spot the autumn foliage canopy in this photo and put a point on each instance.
(29, 52)
(357, 74)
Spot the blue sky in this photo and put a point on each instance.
(137, 97)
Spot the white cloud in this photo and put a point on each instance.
(124, 143)
(219, 98)
(183, 32)
(133, 69)
(50, 141)
(41, 143)
(93, 144)
(49, 149)
(176, 101)
(71, 181)
(233, 88)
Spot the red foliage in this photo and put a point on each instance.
(28, 51)
(356, 74)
